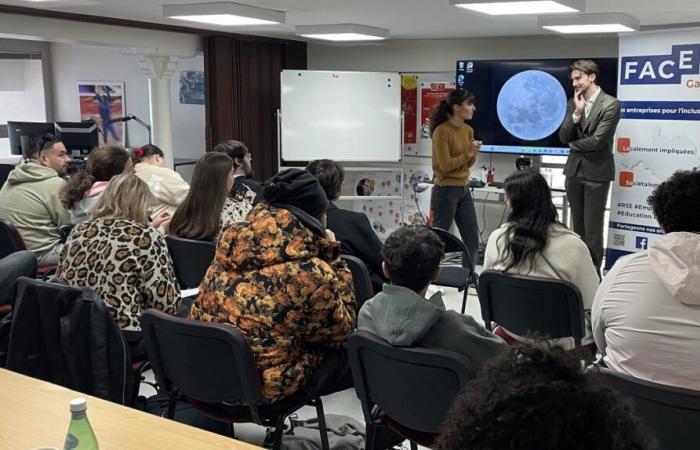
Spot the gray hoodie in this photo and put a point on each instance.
(29, 199)
(405, 319)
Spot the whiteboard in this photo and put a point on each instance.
(345, 116)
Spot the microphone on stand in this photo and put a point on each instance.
(121, 119)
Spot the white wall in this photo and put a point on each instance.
(188, 120)
(73, 63)
(21, 94)
(440, 55)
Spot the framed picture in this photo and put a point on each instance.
(192, 87)
(103, 102)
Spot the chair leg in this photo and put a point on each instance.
(277, 434)
(321, 416)
(414, 446)
(371, 431)
(464, 299)
(171, 409)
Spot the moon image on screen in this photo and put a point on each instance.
(531, 105)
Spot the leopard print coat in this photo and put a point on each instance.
(126, 263)
(285, 287)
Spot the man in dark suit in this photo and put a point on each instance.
(351, 228)
(588, 129)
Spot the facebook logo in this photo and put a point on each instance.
(661, 69)
(641, 242)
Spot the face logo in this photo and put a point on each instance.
(661, 69)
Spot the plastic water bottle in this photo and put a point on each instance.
(80, 435)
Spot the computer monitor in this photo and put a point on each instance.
(520, 104)
(78, 137)
(20, 132)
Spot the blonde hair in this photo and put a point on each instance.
(126, 197)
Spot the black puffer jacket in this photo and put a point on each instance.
(67, 336)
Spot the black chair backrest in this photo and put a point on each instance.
(10, 239)
(672, 414)
(361, 282)
(191, 259)
(5, 170)
(548, 307)
(414, 386)
(453, 244)
(67, 336)
(209, 362)
(18, 264)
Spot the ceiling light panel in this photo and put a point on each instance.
(342, 32)
(590, 23)
(521, 7)
(224, 14)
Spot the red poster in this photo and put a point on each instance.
(431, 95)
(409, 106)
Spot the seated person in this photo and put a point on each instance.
(352, 229)
(245, 188)
(83, 189)
(536, 399)
(166, 185)
(123, 259)
(208, 210)
(279, 278)
(534, 243)
(30, 198)
(646, 313)
(402, 316)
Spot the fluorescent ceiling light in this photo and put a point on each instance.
(590, 23)
(521, 7)
(342, 32)
(224, 13)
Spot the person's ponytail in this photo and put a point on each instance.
(443, 110)
(440, 114)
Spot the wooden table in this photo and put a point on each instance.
(34, 413)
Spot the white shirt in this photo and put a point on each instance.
(642, 330)
(589, 105)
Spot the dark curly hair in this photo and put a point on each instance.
(330, 176)
(531, 398)
(412, 253)
(102, 164)
(676, 202)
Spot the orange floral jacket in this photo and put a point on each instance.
(284, 287)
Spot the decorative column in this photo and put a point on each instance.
(158, 70)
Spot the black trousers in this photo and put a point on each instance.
(448, 203)
(587, 200)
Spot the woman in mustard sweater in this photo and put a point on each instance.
(454, 152)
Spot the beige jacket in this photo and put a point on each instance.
(166, 185)
(565, 257)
